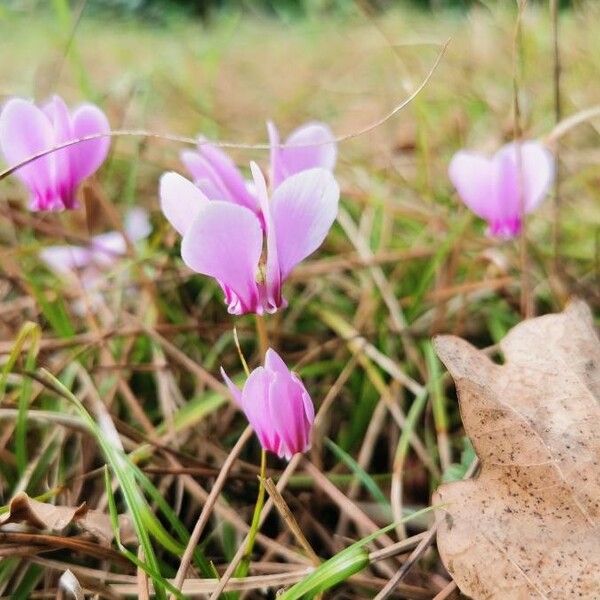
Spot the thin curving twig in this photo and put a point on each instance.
(194, 141)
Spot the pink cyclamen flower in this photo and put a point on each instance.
(277, 406)
(100, 254)
(309, 146)
(226, 240)
(26, 130)
(502, 188)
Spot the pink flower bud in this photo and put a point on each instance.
(277, 407)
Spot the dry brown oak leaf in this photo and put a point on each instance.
(41, 515)
(528, 526)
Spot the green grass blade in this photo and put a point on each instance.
(29, 331)
(365, 479)
(342, 566)
(24, 400)
(120, 465)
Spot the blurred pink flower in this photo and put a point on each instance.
(311, 145)
(225, 239)
(277, 406)
(26, 130)
(86, 264)
(495, 188)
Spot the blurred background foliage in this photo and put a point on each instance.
(158, 9)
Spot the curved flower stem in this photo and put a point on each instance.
(240, 353)
(244, 565)
(557, 118)
(263, 335)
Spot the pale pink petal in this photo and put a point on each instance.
(225, 242)
(277, 172)
(311, 145)
(107, 247)
(218, 175)
(180, 200)
(287, 412)
(309, 407)
(507, 205)
(58, 113)
(25, 131)
(274, 362)
(254, 403)
(537, 164)
(87, 157)
(137, 224)
(303, 208)
(235, 392)
(474, 177)
(539, 168)
(204, 176)
(272, 274)
(65, 259)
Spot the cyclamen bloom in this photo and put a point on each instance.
(494, 189)
(309, 146)
(53, 179)
(277, 406)
(224, 239)
(86, 264)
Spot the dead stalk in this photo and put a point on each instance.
(186, 559)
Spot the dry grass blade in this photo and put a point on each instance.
(288, 517)
(186, 559)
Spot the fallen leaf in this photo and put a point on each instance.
(528, 526)
(49, 517)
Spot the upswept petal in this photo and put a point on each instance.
(288, 414)
(217, 175)
(537, 164)
(57, 111)
(180, 200)
(303, 209)
(506, 219)
(254, 403)
(204, 176)
(276, 173)
(539, 167)
(309, 146)
(309, 407)
(25, 131)
(107, 247)
(86, 157)
(234, 390)
(137, 224)
(272, 275)
(474, 177)
(225, 242)
(274, 362)
(65, 259)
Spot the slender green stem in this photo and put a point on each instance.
(244, 565)
(240, 353)
(557, 119)
(263, 335)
